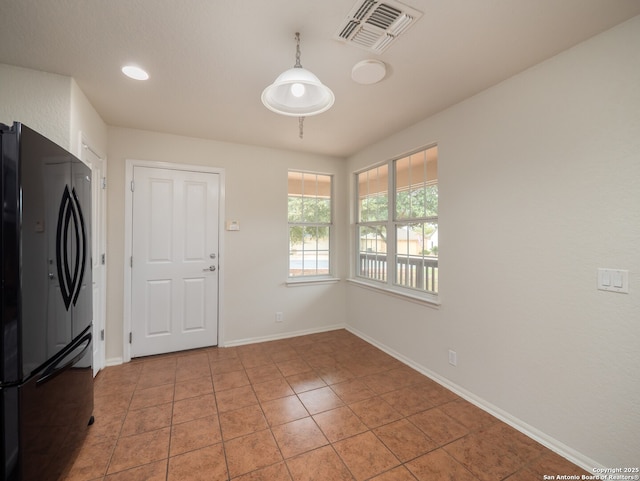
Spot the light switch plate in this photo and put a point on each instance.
(614, 280)
(453, 357)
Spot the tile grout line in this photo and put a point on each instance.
(115, 444)
(224, 447)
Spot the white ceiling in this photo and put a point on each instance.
(209, 60)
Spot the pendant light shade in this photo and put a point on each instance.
(297, 92)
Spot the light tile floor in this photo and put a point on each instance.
(323, 407)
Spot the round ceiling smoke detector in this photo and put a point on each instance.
(368, 72)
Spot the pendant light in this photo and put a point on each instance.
(297, 92)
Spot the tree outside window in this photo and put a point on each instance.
(310, 220)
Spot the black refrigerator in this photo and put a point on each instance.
(46, 378)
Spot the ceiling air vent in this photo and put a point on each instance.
(374, 25)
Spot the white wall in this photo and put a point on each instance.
(255, 259)
(38, 99)
(51, 104)
(539, 181)
(85, 121)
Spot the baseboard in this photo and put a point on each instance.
(116, 361)
(113, 361)
(277, 337)
(553, 444)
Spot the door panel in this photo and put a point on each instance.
(174, 293)
(195, 230)
(160, 208)
(158, 303)
(194, 305)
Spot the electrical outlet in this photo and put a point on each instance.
(279, 317)
(453, 358)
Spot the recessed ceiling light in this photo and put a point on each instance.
(134, 72)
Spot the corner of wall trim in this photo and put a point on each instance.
(113, 361)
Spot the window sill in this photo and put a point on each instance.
(292, 282)
(425, 301)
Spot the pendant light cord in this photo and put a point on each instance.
(298, 64)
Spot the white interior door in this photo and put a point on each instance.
(98, 252)
(174, 277)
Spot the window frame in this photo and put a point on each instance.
(390, 284)
(315, 278)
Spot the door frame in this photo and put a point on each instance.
(85, 144)
(128, 241)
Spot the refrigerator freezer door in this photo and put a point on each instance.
(56, 407)
(9, 453)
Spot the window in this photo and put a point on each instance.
(397, 223)
(310, 220)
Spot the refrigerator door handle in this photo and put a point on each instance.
(70, 271)
(81, 251)
(63, 363)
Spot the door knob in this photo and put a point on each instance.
(210, 268)
(212, 256)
